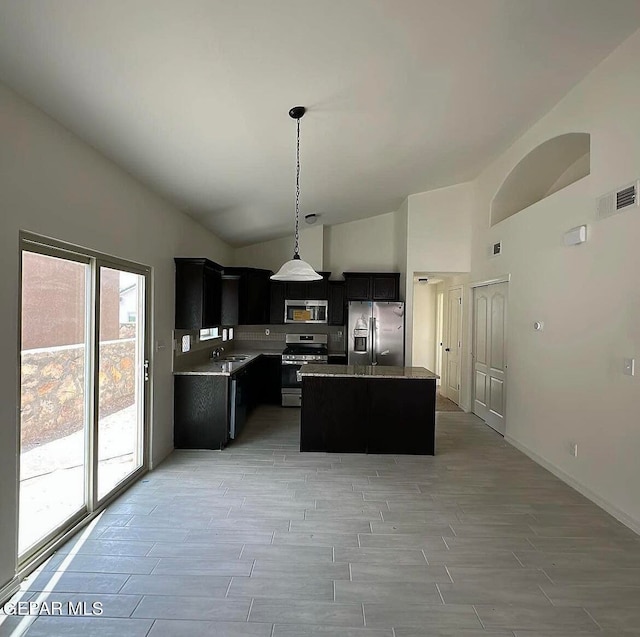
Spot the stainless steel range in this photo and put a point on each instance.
(301, 349)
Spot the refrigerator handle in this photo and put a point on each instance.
(374, 343)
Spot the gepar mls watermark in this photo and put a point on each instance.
(78, 609)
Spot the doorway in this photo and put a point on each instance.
(438, 339)
(83, 386)
(452, 354)
(489, 354)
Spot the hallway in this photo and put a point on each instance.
(260, 540)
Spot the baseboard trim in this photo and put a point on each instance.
(613, 510)
(9, 589)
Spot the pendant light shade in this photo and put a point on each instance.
(297, 269)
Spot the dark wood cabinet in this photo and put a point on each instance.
(230, 299)
(336, 302)
(357, 287)
(246, 296)
(368, 415)
(208, 408)
(385, 287)
(201, 412)
(372, 286)
(297, 290)
(198, 294)
(278, 296)
(401, 416)
(339, 428)
(308, 290)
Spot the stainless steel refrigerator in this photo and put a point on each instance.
(375, 333)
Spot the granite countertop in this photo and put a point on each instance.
(221, 368)
(367, 371)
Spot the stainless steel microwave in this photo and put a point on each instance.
(306, 311)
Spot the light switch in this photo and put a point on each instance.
(630, 366)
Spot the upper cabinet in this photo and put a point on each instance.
(336, 302)
(198, 294)
(308, 290)
(278, 296)
(246, 296)
(372, 286)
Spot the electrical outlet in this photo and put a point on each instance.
(572, 447)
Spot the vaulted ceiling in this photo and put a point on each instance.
(191, 96)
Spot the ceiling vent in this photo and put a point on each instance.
(619, 200)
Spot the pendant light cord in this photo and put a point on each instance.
(296, 251)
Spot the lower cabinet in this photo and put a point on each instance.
(211, 410)
(201, 412)
(362, 415)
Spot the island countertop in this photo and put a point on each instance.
(367, 371)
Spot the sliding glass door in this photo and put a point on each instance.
(54, 355)
(83, 386)
(121, 372)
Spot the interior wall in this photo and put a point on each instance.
(566, 384)
(376, 244)
(270, 255)
(362, 245)
(438, 238)
(424, 325)
(400, 232)
(53, 184)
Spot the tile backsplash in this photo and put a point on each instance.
(256, 337)
(249, 337)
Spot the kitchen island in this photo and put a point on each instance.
(368, 409)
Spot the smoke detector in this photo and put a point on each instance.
(312, 217)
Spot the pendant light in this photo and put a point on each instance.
(297, 269)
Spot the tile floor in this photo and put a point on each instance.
(262, 541)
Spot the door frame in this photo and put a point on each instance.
(28, 241)
(444, 385)
(506, 278)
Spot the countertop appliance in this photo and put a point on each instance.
(375, 334)
(306, 311)
(301, 349)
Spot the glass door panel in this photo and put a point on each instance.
(121, 372)
(54, 370)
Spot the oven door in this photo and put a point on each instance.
(291, 386)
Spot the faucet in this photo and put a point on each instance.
(215, 354)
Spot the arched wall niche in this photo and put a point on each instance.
(553, 165)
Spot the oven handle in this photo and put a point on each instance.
(295, 362)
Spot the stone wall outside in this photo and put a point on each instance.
(52, 399)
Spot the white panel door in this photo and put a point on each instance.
(489, 354)
(453, 344)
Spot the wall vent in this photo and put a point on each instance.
(619, 200)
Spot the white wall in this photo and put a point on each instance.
(424, 325)
(565, 384)
(270, 255)
(438, 238)
(363, 245)
(53, 184)
(376, 244)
